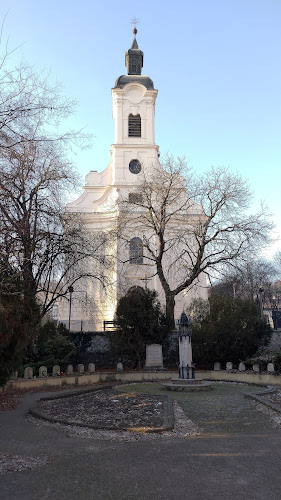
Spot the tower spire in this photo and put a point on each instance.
(135, 43)
(134, 56)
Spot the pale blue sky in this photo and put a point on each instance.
(215, 63)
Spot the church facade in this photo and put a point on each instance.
(133, 150)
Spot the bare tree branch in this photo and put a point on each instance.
(191, 224)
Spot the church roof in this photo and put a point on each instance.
(125, 79)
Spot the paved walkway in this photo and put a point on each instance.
(237, 456)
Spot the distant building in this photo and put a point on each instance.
(271, 303)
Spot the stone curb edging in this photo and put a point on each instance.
(168, 414)
(77, 393)
(258, 397)
(225, 381)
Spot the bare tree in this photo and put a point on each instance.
(191, 224)
(50, 249)
(31, 108)
(277, 262)
(246, 278)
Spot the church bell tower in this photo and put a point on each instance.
(133, 108)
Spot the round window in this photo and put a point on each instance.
(135, 166)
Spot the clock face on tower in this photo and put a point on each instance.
(135, 166)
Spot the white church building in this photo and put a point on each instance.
(134, 149)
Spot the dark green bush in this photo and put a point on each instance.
(232, 331)
(139, 321)
(52, 346)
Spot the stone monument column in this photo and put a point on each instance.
(186, 367)
(186, 380)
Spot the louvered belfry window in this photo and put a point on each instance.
(134, 125)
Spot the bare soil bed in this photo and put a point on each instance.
(107, 409)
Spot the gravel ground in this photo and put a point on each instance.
(8, 401)
(274, 416)
(16, 463)
(275, 397)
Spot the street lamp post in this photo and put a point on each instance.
(260, 299)
(71, 290)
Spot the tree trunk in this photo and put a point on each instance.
(170, 310)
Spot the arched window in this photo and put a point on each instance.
(136, 251)
(134, 126)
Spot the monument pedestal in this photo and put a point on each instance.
(192, 384)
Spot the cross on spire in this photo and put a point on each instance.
(134, 21)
